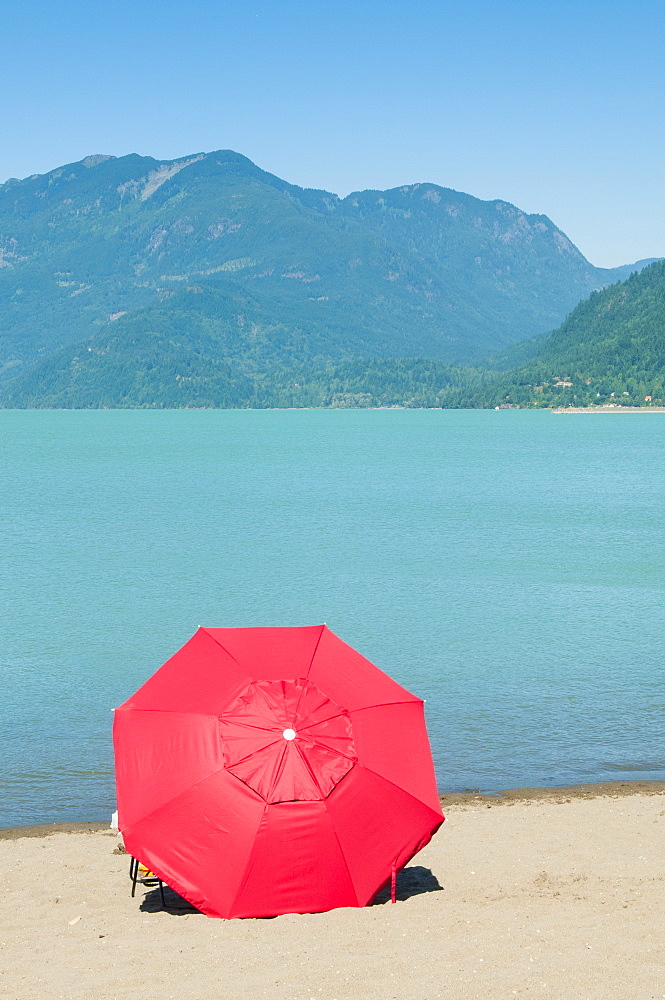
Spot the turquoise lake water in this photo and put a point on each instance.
(507, 566)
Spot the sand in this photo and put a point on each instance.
(609, 408)
(543, 895)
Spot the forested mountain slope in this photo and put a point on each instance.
(417, 271)
(610, 349)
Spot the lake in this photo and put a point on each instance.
(509, 567)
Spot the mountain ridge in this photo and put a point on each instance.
(263, 272)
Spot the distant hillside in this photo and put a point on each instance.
(611, 349)
(211, 249)
(188, 354)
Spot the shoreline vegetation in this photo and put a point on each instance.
(555, 795)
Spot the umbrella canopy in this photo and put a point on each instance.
(273, 770)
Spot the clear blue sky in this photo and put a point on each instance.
(556, 106)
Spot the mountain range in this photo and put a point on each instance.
(208, 281)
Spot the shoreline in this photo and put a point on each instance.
(551, 794)
(608, 409)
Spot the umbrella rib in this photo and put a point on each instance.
(270, 708)
(295, 711)
(403, 790)
(319, 722)
(341, 851)
(228, 652)
(302, 689)
(165, 711)
(248, 725)
(311, 741)
(252, 754)
(311, 772)
(278, 771)
(173, 797)
(387, 704)
(248, 866)
(337, 753)
(316, 649)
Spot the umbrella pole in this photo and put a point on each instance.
(393, 884)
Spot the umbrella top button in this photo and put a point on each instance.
(289, 734)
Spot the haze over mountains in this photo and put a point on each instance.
(133, 281)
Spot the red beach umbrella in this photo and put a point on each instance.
(273, 770)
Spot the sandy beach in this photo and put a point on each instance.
(609, 409)
(543, 894)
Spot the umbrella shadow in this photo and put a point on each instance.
(175, 904)
(410, 882)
